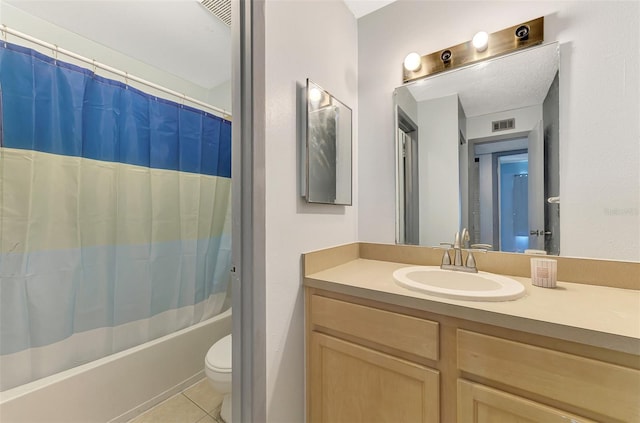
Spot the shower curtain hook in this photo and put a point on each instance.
(95, 68)
(55, 53)
(4, 34)
(126, 79)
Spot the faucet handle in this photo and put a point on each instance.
(446, 258)
(443, 246)
(471, 261)
(485, 247)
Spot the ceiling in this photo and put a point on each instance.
(518, 80)
(359, 8)
(198, 43)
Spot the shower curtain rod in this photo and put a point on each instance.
(128, 77)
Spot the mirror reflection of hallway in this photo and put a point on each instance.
(498, 194)
(507, 192)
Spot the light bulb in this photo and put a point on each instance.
(480, 41)
(412, 62)
(315, 94)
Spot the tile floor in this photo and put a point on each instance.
(197, 404)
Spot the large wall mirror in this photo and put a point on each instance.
(478, 147)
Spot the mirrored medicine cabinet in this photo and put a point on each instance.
(326, 148)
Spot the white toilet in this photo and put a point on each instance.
(217, 367)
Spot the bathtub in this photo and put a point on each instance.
(118, 387)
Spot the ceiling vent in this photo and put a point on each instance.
(221, 9)
(503, 125)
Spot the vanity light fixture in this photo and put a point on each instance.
(412, 62)
(480, 41)
(482, 46)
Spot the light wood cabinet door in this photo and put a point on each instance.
(481, 404)
(350, 383)
(597, 387)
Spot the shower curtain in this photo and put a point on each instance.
(114, 215)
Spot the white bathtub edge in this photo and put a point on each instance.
(120, 385)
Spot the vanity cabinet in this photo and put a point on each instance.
(372, 361)
(367, 365)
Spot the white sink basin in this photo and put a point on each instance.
(481, 286)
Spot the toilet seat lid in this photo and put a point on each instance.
(219, 355)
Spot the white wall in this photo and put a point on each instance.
(438, 169)
(220, 96)
(599, 96)
(304, 39)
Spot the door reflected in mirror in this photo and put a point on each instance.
(478, 148)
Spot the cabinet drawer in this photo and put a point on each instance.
(401, 332)
(600, 387)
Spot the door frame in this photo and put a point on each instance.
(407, 192)
(248, 279)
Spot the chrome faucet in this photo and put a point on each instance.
(458, 246)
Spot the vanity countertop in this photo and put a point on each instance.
(600, 316)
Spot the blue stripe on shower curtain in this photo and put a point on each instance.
(59, 108)
(115, 209)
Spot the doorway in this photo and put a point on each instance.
(502, 192)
